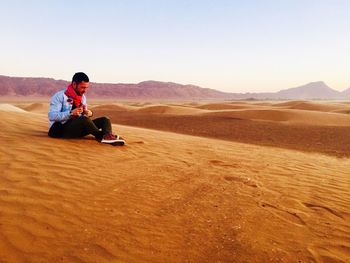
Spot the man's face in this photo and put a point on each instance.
(81, 88)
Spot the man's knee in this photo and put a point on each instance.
(84, 119)
(102, 120)
(105, 119)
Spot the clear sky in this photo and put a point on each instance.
(229, 45)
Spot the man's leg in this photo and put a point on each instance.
(80, 127)
(104, 124)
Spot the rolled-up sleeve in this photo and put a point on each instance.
(56, 113)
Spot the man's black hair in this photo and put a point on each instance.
(80, 77)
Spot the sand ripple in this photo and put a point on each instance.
(166, 197)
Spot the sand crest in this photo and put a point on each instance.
(313, 106)
(166, 109)
(37, 107)
(10, 108)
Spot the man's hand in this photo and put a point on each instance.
(76, 112)
(88, 113)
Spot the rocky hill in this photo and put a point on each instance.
(155, 90)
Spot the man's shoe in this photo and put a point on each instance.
(109, 138)
(120, 141)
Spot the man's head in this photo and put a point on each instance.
(80, 83)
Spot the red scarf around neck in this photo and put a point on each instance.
(71, 93)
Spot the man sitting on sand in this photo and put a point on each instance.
(69, 116)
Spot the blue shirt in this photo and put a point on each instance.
(60, 107)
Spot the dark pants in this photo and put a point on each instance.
(80, 127)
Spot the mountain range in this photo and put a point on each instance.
(153, 90)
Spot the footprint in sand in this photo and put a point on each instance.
(138, 142)
(284, 214)
(246, 181)
(320, 207)
(223, 164)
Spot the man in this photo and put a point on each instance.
(69, 116)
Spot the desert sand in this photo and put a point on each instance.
(300, 125)
(215, 182)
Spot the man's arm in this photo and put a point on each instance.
(55, 112)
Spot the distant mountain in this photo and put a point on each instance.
(40, 87)
(155, 90)
(312, 90)
(18, 86)
(346, 93)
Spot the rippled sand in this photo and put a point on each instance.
(171, 197)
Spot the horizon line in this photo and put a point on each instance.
(188, 84)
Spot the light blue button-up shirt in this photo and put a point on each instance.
(60, 107)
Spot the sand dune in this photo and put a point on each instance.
(305, 130)
(313, 106)
(226, 106)
(290, 116)
(166, 197)
(166, 109)
(36, 107)
(10, 108)
(149, 109)
(112, 107)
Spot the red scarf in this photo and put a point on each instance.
(71, 93)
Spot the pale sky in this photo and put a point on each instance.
(235, 46)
